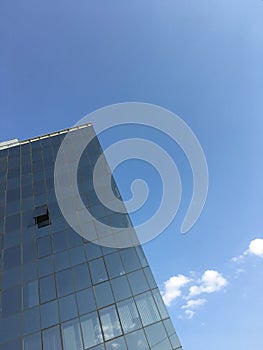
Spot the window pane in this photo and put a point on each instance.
(114, 265)
(31, 320)
(30, 294)
(10, 278)
(12, 257)
(47, 289)
(103, 294)
(93, 251)
(138, 282)
(137, 340)
(62, 260)
(81, 276)
(130, 260)
(157, 337)
(91, 330)
(71, 335)
(45, 266)
(118, 343)
(68, 308)
(98, 271)
(51, 339)
(77, 255)
(10, 328)
(49, 314)
(44, 246)
(86, 301)
(129, 316)
(110, 323)
(64, 282)
(147, 309)
(32, 342)
(11, 302)
(160, 304)
(59, 241)
(121, 288)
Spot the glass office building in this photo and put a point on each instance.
(59, 291)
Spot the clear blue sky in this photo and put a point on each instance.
(203, 60)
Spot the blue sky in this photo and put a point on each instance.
(61, 60)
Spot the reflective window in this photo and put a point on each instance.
(49, 314)
(45, 266)
(30, 294)
(12, 239)
(130, 260)
(12, 257)
(44, 246)
(59, 242)
(129, 316)
(77, 255)
(98, 271)
(91, 330)
(118, 343)
(10, 278)
(71, 335)
(137, 340)
(171, 333)
(31, 320)
(74, 239)
(81, 276)
(147, 309)
(160, 304)
(110, 322)
(138, 282)
(32, 342)
(16, 344)
(10, 328)
(86, 301)
(29, 251)
(114, 265)
(67, 308)
(150, 278)
(93, 251)
(61, 260)
(141, 255)
(64, 282)
(29, 271)
(103, 294)
(11, 301)
(121, 288)
(51, 339)
(157, 337)
(47, 289)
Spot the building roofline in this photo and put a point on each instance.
(16, 142)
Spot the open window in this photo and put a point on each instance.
(41, 216)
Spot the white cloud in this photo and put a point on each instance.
(191, 306)
(172, 288)
(211, 281)
(256, 247)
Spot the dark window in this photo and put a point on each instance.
(41, 216)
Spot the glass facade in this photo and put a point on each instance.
(57, 290)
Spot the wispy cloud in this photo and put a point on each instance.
(255, 248)
(191, 306)
(210, 282)
(173, 288)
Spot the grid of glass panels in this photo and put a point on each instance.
(57, 290)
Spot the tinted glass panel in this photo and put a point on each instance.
(91, 330)
(47, 288)
(110, 322)
(71, 335)
(98, 271)
(51, 339)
